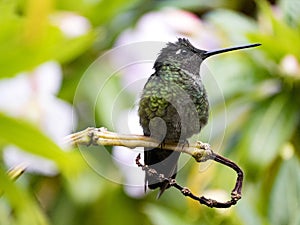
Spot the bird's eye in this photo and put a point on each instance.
(184, 52)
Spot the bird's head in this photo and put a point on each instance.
(182, 54)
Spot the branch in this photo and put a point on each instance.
(100, 136)
(200, 151)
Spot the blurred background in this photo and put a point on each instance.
(65, 65)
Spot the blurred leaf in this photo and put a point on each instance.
(231, 25)
(99, 12)
(247, 209)
(87, 187)
(285, 197)
(234, 74)
(270, 125)
(55, 48)
(196, 5)
(25, 46)
(160, 215)
(32, 140)
(274, 31)
(26, 211)
(291, 12)
(109, 9)
(100, 87)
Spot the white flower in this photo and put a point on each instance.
(31, 96)
(71, 24)
(290, 66)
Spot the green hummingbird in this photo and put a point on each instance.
(174, 105)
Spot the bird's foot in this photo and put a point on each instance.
(184, 143)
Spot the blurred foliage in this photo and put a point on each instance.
(32, 35)
(261, 90)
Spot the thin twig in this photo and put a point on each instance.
(235, 194)
(200, 151)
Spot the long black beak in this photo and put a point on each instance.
(215, 52)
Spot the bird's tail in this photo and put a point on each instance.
(164, 162)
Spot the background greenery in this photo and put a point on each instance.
(261, 91)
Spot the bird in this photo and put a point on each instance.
(174, 105)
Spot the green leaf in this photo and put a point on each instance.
(291, 12)
(247, 209)
(271, 124)
(26, 210)
(98, 12)
(160, 215)
(32, 140)
(195, 5)
(233, 25)
(55, 48)
(274, 31)
(285, 197)
(24, 44)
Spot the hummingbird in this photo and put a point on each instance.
(174, 105)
